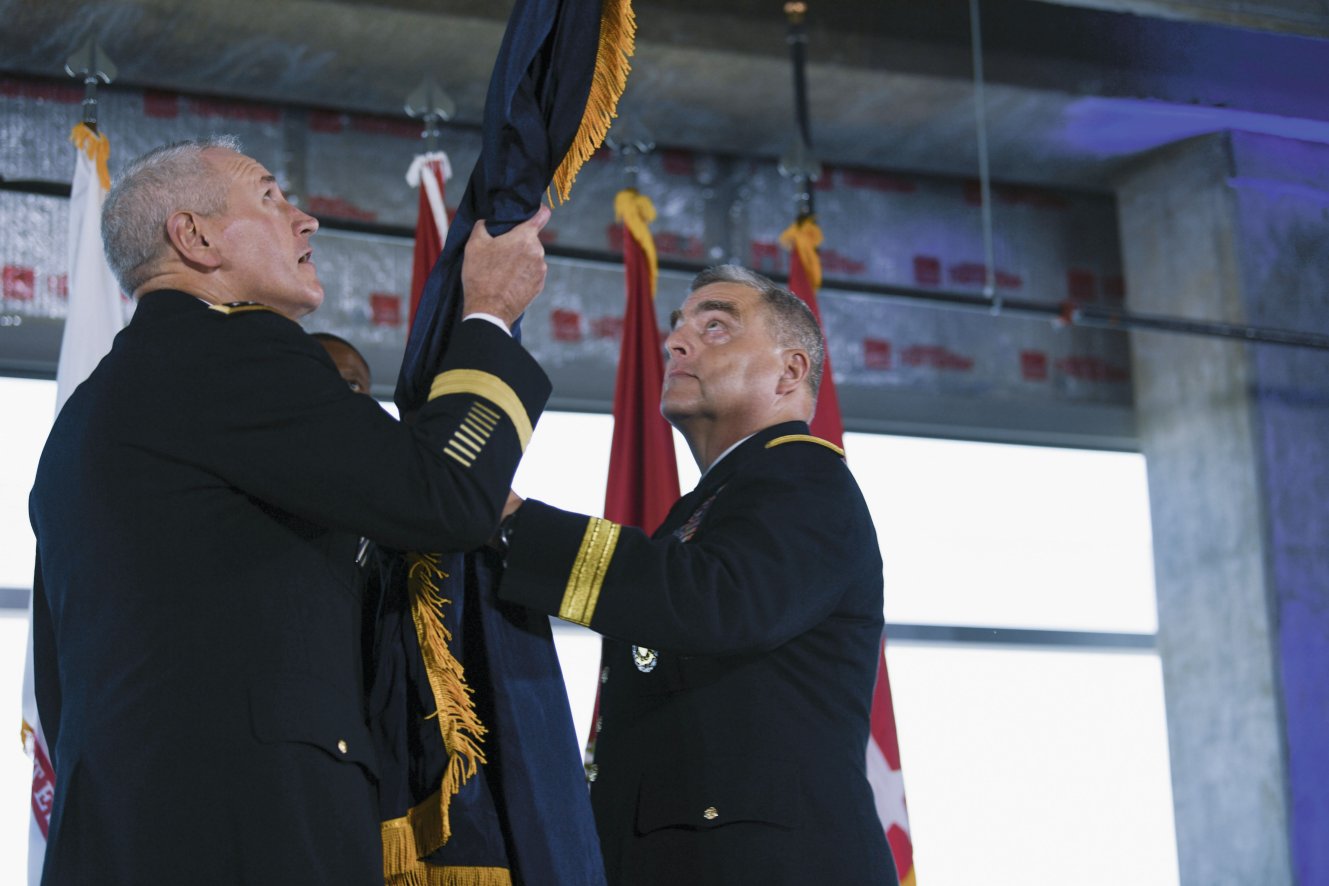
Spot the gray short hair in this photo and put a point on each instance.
(791, 319)
(163, 181)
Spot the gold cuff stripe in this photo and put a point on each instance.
(805, 438)
(475, 426)
(483, 411)
(458, 455)
(493, 389)
(588, 571)
(467, 439)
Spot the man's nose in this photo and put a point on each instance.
(303, 222)
(675, 343)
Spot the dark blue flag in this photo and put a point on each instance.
(481, 775)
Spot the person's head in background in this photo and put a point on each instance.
(350, 362)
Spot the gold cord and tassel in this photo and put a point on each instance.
(803, 236)
(97, 147)
(636, 212)
(618, 34)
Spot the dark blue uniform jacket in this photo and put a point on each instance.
(197, 619)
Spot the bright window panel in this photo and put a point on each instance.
(28, 408)
(1041, 768)
(1009, 536)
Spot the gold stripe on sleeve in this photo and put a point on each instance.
(588, 571)
(805, 438)
(493, 389)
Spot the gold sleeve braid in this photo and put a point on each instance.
(491, 388)
(588, 571)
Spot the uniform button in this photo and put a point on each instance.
(592, 771)
(604, 675)
(342, 746)
(599, 723)
(710, 813)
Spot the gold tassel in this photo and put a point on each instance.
(97, 147)
(426, 826)
(402, 865)
(804, 236)
(618, 33)
(636, 212)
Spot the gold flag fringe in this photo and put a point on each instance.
(426, 826)
(402, 865)
(618, 34)
(636, 212)
(97, 147)
(804, 236)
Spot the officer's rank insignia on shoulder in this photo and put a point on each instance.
(805, 438)
(239, 307)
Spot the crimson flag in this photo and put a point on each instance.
(883, 753)
(430, 173)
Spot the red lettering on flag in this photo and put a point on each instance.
(1034, 365)
(19, 282)
(385, 309)
(43, 787)
(876, 353)
(567, 325)
(927, 270)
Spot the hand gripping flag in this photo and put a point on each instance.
(883, 753)
(480, 779)
(430, 173)
(643, 474)
(95, 315)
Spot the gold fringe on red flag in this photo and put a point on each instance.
(636, 211)
(97, 147)
(618, 35)
(804, 237)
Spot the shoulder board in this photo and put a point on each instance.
(805, 438)
(239, 307)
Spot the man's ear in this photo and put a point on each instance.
(795, 371)
(186, 232)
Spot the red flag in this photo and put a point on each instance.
(429, 172)
(643, 474)
(883, 753)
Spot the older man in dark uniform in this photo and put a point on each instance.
(743, 634)
(197, 510)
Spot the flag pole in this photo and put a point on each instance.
(90, 64)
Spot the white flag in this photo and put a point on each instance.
(95, 315)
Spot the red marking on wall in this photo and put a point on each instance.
(927, 270)
(233, 110)
(54, 92)
(385, 309)
(1014, 195)
(876, 354)
(161, 105)
(675, 162)
(975, 274)
(326, 121)
(1081, 285)
(19, 282)
(833, 262)
(936, 357)
(1034, 365)
(607, 327)
(676, 244)
(1094, 369)
(767, 255)
(339, 207)
(385, 126)
(1114, 288)
(865, 180)
(614, 237)
(57, 285)
(566, 324)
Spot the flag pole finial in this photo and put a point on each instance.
(91, 65)
(631, 140)
(432, 106)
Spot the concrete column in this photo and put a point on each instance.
(1235, 227)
